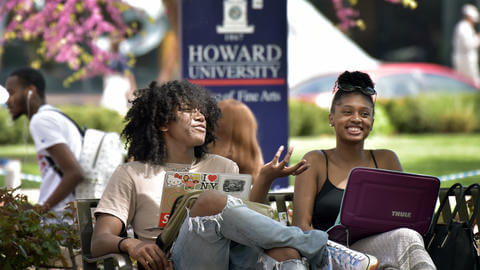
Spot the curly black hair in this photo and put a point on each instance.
(355, 78)
(154, 107)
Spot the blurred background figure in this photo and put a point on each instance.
(169, 48)
(237, 137)
(118, 86)
(466, 42)
(237, 140)
(57, 140)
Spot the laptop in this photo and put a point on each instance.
(377, 201)
(178, 183)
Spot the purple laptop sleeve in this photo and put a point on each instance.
(377, 201)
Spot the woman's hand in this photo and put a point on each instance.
(275, 169)
(148, 254)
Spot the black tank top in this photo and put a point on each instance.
(328, 201)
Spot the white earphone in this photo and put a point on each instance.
(28, 102)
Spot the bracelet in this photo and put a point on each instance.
(119, 242)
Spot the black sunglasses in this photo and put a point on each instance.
(351, 88)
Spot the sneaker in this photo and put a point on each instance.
(348, 259)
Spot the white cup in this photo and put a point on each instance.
(13, 171)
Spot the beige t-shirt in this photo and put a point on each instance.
(134, 192)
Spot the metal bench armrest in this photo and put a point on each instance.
(113, 261)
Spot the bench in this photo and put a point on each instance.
(464, 212)
(85, 208)
(281, 200)
(85, 221)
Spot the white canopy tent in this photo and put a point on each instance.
(316, 46)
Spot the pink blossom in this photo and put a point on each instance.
(69, 35)
(348, 16)
(66, 32)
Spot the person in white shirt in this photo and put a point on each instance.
(57, 140)
(466, 42)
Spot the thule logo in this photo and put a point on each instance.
(401, 214)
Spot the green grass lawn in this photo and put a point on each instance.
(431, 154)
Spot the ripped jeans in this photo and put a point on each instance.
(236, 239)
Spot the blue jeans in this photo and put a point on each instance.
(206, 242)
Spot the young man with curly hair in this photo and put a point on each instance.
(168, 128)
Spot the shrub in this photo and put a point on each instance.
(95, 117)
(16, 132)
(6, 125)
(382, 124)
(475, 100)
(13, 132)
(435, 113)
(404, 114)
(26, 239)
(294, 117)
(307, 119)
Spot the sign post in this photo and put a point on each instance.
(238, 50)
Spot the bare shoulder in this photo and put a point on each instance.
(315, 155)
(316, 172)
(387, 159)
(384, 153)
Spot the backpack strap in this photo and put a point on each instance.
(50, 160)
(159, 241)
(80, 129)
(54, 165)
(175, 221)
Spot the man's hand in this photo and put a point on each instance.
(149, 255)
